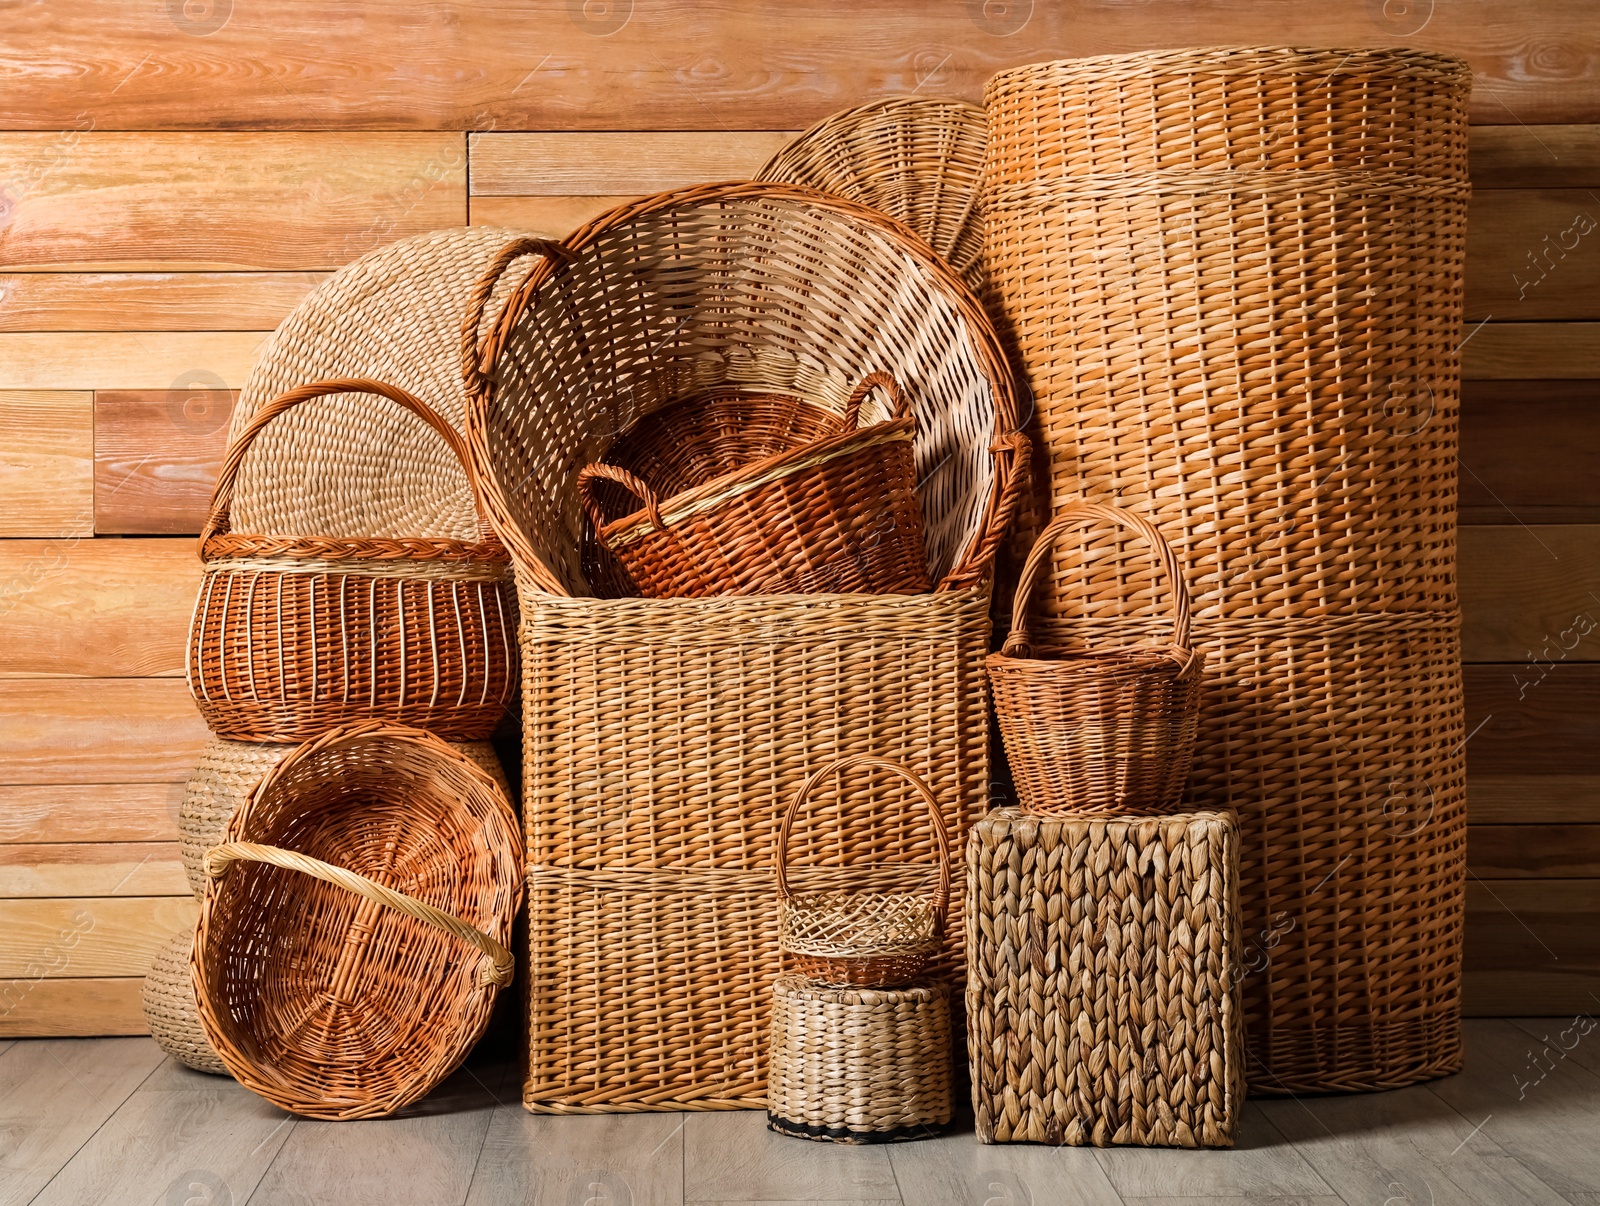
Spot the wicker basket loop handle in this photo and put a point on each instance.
(218, 522)
(879, 380)
(1018, 644)
(497, 966)
(941, 836)
(474, 372)
(600, 471)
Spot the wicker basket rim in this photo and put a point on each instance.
(1181, 659)
(1240, 60)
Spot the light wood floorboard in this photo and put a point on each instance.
(730, 1156)
(1262, 1164)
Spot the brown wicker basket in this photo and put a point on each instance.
(352, 939)
(1103, 977)
(295, 634)
(859, 1065)
(855, 937)
(1102, 730)
(836, 516)
(169, 1008)
(663, 737)
(228, 772)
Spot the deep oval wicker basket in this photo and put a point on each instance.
(353, 935)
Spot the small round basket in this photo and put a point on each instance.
(1098, 730)
(854, 937)
(293, 635)
(353, 935)
(169, 1008)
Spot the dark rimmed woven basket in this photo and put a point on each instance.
(292, 635)
(1098, 730)
(353, 935)
(838, 515)
(862, 938)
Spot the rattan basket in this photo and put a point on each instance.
(837, 515)
(1232, 278)
(228, 771)
(293, 635)
(353, 937)
(917, 158)
(859, 1065)
(663, 737)
(169, 1007)
(862, 938)
(1107, 730)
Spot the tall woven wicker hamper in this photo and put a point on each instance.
(1103, 975)
(1233, 279)
(662, 738)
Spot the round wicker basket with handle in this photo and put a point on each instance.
(831, 516)
(353, 935)
(847, 935)
(292, 635)
(1098, 730)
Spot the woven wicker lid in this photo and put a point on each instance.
(349, 465)
(915, 158)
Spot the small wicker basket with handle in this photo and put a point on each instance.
(293, 635)
(1098, 730)
(862, 938)
(836, 516)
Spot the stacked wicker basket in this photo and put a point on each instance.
(1233, 280)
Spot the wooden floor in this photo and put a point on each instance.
(88, 1121)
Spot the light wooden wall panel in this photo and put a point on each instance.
(107, 730)
(92, 869)
(772, 64)
(95, 812)
(222, 199)
(627, 163)
(157, 454)
(47, 465)
(150, 301)
(64, 1008)
(79, 360)
(85, 937)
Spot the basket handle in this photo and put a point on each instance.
(474, 372)
(1017, 643)
(600, 471)
(497, 967)
(218, 522)
(1011, 472)
(941, 836)
(879, 380)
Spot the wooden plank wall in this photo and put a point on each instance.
(174, 178)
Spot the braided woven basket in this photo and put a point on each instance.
(353, 935)
(1104, 730)
(295, 634)
(170, 1011)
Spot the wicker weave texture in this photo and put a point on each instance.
(354, 931)
(662, 742)
(169, 1008)
(228, 772)
(916, 158)
(1103, 979)
(859, 1065)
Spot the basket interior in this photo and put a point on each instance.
(756, 292)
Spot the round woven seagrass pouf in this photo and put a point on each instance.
(169, 1008)
(858, 1065)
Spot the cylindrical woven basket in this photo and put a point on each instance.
(170, 1011)
(916, 158)
(228, 772)
(837, 515)
(1105, 730)
(859, 1065)
(862, 938)
(1233, 280)
(663, 737)
(293, 635)
(353, 937)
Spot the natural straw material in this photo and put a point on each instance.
(836, 515)
(292, 635)
(1103, 976)
(228, 771)
(663, 737)
(862, 938)
(859, 1065)
(169, 1008)
(354, 932)
(916, 158)
(1104, 730)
